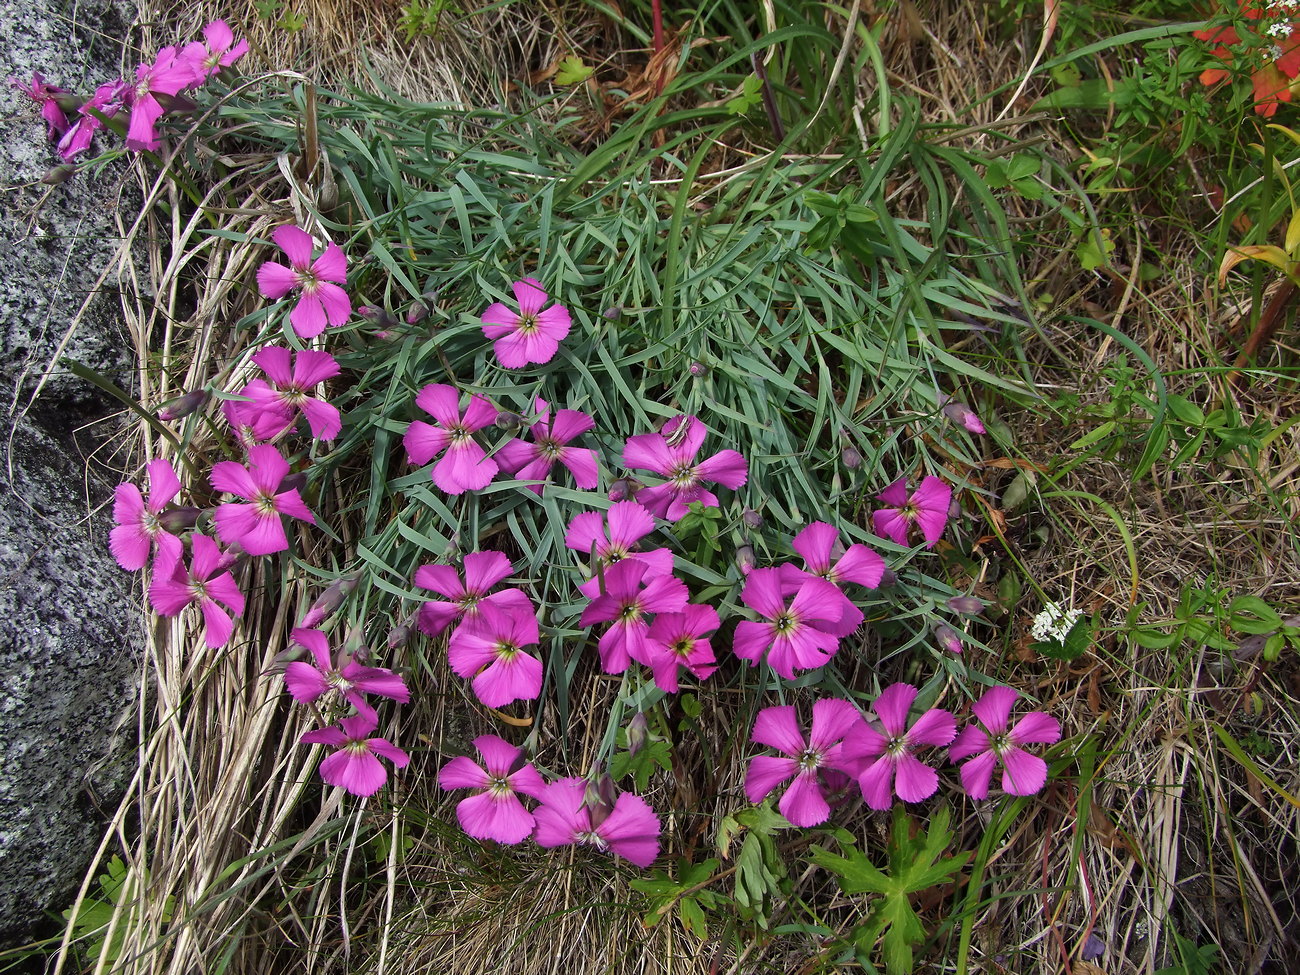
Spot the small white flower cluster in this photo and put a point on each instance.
(1284, 5)
(1054, 622)
(1280, 29)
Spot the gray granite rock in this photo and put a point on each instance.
(70, 628)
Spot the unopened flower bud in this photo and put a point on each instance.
(850, 458)
(751, 518)
(183, 406)
(177, 520)
(613, 312)
(329, 600)
(452, 551)
(888, 578)
(638, 733)
(698, 368)
(948, 638)
(293, 482)
(508, 421)
(59, 175)
(599, 799)
(969, 605)
(745, 559)
(400, 635)
(624, 489)
(377, 316)
(963, 414)
(417, 313)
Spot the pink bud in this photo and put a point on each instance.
(328, 601)
(638, 733)
(177, 520)
(183, 406)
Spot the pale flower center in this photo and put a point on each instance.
(528, 324)
(683, 477)
(498, 787)
(809, 761)
(591, 838)
(264, 504)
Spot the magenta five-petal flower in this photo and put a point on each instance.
(883, 760)
(322, 302)
(483, 570)
(926, 507)
(256, 526)
(612, 535)
(801, 634)
(139, 525)
(355, 766)
(44, 95)
(533, 334)
(217, 50)
(819, 544)
(168, 74)
(465, 466)
(670, 453)
(551, 445)
(1023, 774)
(494, 812)
(629, 829)
(631, 591)
(108, 100)
(810, 761)
(489, 647)
(275, 406)
(678, 640)
(308, 683)
(205, 582)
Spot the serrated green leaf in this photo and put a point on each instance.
(572, 70)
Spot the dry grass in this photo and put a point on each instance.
(1166, 827)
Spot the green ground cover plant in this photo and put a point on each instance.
(779, 251)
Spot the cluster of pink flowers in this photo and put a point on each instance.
(158, 87)
(571, 812)
(843, 749)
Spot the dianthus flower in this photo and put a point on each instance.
(206, 582)
(551, 437)
(494, 812)
(1273, 51)
(630, 592)
(612, 535)
(800, 634)
(465, 466)
(678, 640)
(825, 557)
(139, 525)
(671, 453)
(483, 570)
(566, 817)
(217, 50)
(256, 526)
(354, 766)
(108, 100)
(1023, 774)
(322, 302)
(926, 507)
(44, 95)
(168, 74)
(815, 763)
(533, 334)
(275, 406)
(489, 647)
(884, 763)
(307, 683)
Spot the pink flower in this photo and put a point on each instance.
(671, 454)
(810, 762)
(307, 683)
(322, 301)
(108, 100)
(531, 335)
(274, 407)
(139, 526)
(1023, 774)
(166, 76)
(205, 582)
(630, 829)
(679, 640)
(242, 417)
(354, 766)
(927, 507)
(494, 812)
(465, 466)
(630, 592)
(551, 437)
(884, 763)
(256, 527)
(483, 570)
(824, 556)
(613, 535)
(44, 95)
(489, 647)
(219, 51)
(963, 414)
(801, 634)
